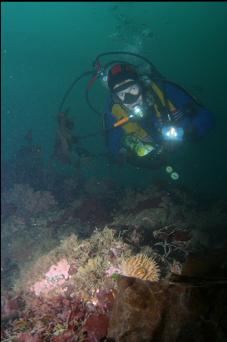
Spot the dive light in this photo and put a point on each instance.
(172, 133)
(136, 113)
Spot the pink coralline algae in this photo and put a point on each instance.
(54, 278)
(112, 270)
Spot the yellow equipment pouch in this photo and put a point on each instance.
(137, 146)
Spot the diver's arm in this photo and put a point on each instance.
(200, 123)
(194, 118)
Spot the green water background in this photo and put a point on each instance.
(46, 45)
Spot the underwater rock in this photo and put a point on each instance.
(137, 310)
(182, 308)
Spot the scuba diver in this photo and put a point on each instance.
(150, 116)
(146, 116)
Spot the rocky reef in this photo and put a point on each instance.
(113, 265)
(182, 308)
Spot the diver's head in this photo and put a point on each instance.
(123, 81)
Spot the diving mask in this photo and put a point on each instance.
(128, 92)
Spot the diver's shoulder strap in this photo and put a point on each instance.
(118, 112)
(129, 127)
(160, 93)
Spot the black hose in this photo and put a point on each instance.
(89, 103)
(71, 86)
(125, 53)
